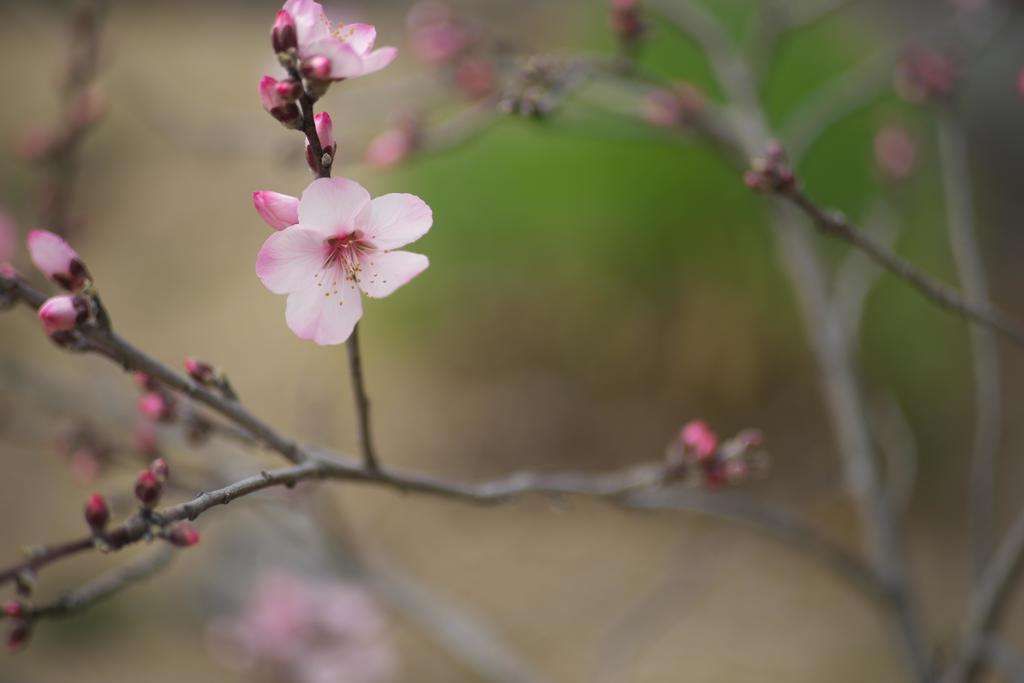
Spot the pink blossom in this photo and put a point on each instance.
(57, 260)
(63, 313)
(8, 237)
(307, 631)
(895, 152)
(344, 243)
(699, 438)
(348, 48)
(279, 211)
(436, 38)
(281, 108)
(388, 149)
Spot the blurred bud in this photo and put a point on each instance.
(201, 372)
(63, 313)
(286, 112)
(894, 153)
(145, 438)
(317, 68)
(476, 77)
(698, 438)
(97, 513)
(17, 637)
(148, 489)
(673, 107)
(183, 535)
(34, 144)
(160, 469)
(57, 260)
(85, 465)
(626, 22)
(770, 173)
(14, 609)
(283, 36)
(156, 406)
(145, 382)
(394, 146)
(925, 75)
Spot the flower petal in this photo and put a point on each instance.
(290, 260)
(345, 62)
(394, 220)
(360, 36)
(384, 272)
(325, 317)
(311, 23)
(279, 211)
(378, 59)
(330, 205)
(50, 253)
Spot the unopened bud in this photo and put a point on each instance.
(148, 489)
(97, 514)
(156, 406)
(57, 260)
(145, 438)
(698, 438)
(283, 36)
(317, 68)
(201, 372)
(63, 313)
(288, 90)
(160, 469)
(18, 635)
(14, 609)
(183, 535)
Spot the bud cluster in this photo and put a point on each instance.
(698, 456)
(771, 172)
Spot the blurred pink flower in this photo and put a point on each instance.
(925, 75)
(308, 631)
(344, 243)
(279, 211)
(390, 148)
(436, 37)
(895, 152)
(348, 48)
(57, 260)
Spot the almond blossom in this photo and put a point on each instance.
(57, 260)
(348, 48)
(343, 244)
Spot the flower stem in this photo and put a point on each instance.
(362, 402)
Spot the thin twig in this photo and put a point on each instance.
(988, 409)
(362, 402)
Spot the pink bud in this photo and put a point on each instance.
(476, 78)
(183, 535)
(160, 469)
(97, 514)
(285, 112)
(84, 465)
(145, 382)
(57, 260)
(283, 36)
(698, 438)
(325, 133)
(148, 489)
(317, 68)
(156, 406)
(288, 90)
(279, 211)
(14, 609)
(63, 313)
(894, 152)
(200, 371)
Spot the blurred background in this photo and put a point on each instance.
(594, 284)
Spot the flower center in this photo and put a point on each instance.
(342, 260)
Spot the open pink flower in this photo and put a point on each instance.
(57, 260)
(343, 243)
(279, 211)
(347, 47)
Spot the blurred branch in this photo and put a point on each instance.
(105, 585)
(988, 410)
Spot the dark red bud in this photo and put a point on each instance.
(200, 371)
(283, 36)
(18, 635)
(183, 535)
(97, 513)
(148, 489)
(14, 609)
